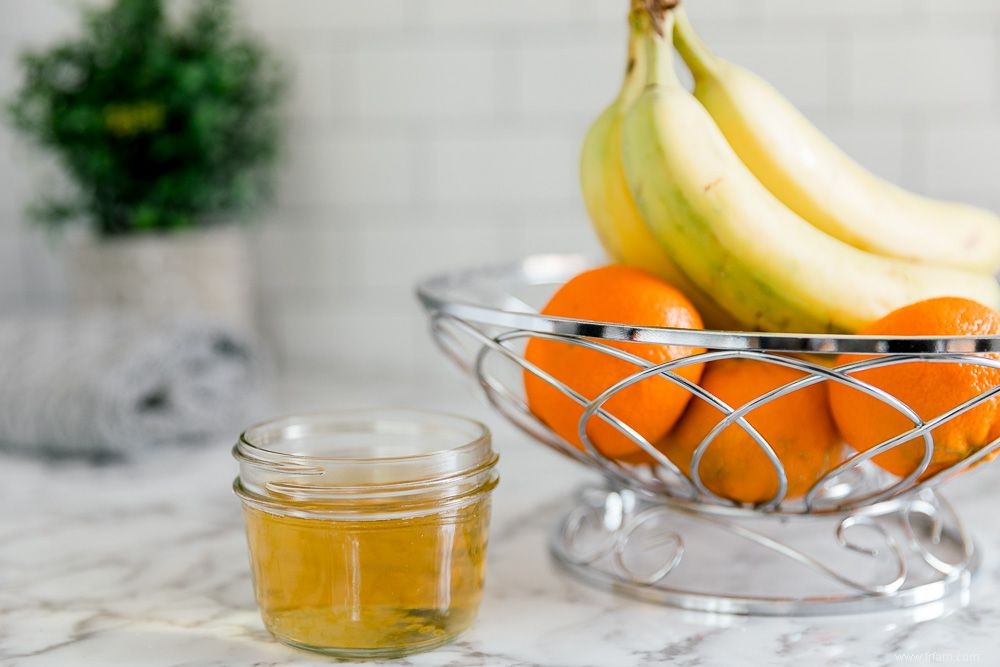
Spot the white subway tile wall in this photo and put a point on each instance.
(424, 135)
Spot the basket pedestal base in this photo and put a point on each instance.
(912, 551)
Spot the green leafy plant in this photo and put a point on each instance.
(160, 126)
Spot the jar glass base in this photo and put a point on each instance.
(385, 653)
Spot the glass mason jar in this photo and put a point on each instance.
(367, 530)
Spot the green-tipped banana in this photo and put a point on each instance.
(818, 181)
(759, 260)
(613, 213)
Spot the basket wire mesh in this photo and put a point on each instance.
(481, 319)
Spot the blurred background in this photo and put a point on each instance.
(422, 135)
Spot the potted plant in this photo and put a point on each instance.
(166, 130)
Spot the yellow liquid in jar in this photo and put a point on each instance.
(380, 587)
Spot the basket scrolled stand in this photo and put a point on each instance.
(859, 540)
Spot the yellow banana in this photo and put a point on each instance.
(759, 260)
(817, 180)
(613, 213)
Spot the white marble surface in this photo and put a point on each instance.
(144, 564)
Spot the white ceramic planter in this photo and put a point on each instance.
(203, 271)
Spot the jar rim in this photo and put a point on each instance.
(280, 469)
(480, 437)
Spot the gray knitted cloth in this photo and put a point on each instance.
(105, 385)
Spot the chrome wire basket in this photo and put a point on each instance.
(860, 539)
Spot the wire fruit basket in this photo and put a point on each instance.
(860, 539)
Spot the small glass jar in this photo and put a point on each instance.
(367, 530)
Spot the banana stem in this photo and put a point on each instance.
(699, 58)
(657, 10)
(635, 72)
(658, 50)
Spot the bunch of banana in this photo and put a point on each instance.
(734, 198)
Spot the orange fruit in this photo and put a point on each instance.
(928, 388)
(620, 295)
(798, 426)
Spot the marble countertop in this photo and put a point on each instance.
(144, 564)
